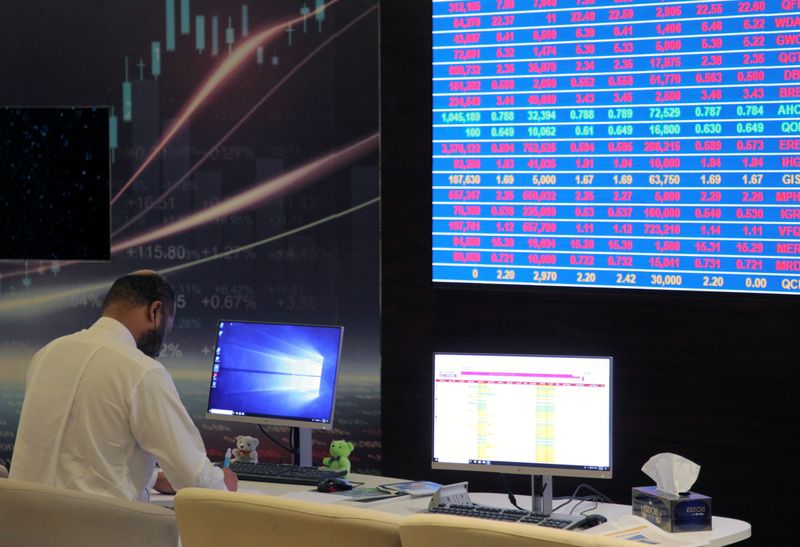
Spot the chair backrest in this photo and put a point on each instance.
(33, 514)
(210, 518)
(427, 530)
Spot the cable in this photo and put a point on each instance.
(290, 449)
(598, 493)
(596, 497)
(579, 501)
(557, 507)
(511, 496)
(586, 511)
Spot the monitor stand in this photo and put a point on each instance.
(542, 494)
(301, 440)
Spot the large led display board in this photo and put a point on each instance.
(627, 144)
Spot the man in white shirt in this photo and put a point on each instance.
(100, 411)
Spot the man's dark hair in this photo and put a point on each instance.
(139, 289)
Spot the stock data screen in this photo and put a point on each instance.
(631, 144)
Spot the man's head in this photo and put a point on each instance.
(144, 302)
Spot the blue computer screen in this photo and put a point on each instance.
(275, 373)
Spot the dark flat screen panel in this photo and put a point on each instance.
(54, 183)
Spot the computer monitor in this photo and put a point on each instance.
(525, 414)
(55, 192)
(275, 373)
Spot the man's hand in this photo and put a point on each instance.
(231, 480)
(162, 484)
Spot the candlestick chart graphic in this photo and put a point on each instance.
(243, 148)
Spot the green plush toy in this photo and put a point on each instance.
(339, 458)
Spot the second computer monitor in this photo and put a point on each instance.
(275, 373)
(524, 414)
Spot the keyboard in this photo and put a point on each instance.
(507, 515)
(284, 473)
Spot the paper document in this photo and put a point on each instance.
(638, 530)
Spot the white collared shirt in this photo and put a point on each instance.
(98, 413)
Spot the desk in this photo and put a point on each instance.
(726, 531)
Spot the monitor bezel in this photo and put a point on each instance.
(280, 421)
(533, 469)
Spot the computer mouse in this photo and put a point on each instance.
(334, 484)
(591, 520)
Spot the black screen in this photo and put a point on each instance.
(54, 183)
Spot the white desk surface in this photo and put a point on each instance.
(726, 531)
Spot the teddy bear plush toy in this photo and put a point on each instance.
(245, 450)
(340, 454)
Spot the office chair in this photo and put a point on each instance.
(210, 518)
(45, 516)
(431, 530)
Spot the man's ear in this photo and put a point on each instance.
(152, 311)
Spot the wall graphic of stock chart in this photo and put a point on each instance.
(595, 143)
(244, 166)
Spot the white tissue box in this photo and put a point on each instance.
(690, 512)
